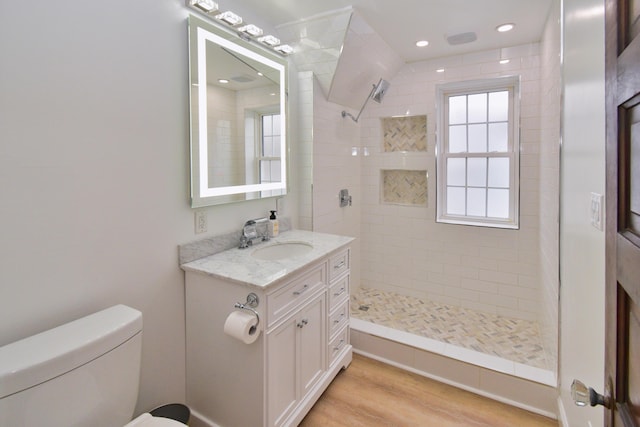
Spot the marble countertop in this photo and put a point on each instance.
(239, 266)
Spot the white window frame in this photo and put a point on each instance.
(444, 92)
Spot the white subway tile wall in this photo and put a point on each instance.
(510, 273)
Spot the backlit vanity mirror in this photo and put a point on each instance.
(238, 118)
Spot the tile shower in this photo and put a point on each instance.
(495, 290)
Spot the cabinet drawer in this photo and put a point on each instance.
(338, 291)
(339, 318)
(338, 264)
(288, 298)
(337, 344)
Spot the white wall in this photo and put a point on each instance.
(94, 173)
(582, 172)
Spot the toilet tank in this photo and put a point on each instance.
(83, 373)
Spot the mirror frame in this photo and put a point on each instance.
(201, 32)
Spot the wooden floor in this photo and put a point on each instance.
(370, 394)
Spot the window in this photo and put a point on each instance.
(269, 159)
(477, 153)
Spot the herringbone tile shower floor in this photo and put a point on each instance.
(513, 339)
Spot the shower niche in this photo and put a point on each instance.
(407, 136)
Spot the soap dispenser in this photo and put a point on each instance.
(273, 225)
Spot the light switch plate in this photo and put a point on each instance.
(597, 210)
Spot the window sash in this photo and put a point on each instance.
(444, 153)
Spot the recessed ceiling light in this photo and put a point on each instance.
(504, 61)
(224, 81)
(440, 70)
(422, 43)
(505, 27)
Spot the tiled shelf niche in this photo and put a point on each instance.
(406, 134)
(404, 187)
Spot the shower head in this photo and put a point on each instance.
(377, 93)
(380, 90)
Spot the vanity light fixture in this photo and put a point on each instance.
(251, 29)
(269, 40)
(422, 43)
(230, 18)
(284, 49)
(503, 28)
(207, 6)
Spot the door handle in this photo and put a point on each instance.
(583, 395)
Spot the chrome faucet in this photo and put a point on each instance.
(252, 230)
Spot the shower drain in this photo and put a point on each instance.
(363, 308)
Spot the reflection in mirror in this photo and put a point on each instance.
(238, 118)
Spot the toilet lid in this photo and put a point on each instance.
(147, 420)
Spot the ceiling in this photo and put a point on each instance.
(403, 22)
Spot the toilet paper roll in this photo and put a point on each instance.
(241, 326)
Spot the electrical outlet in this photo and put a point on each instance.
(200, 219)
(596, 210)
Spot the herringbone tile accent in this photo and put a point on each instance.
(513, 339)
(406, 187)
(404, 133)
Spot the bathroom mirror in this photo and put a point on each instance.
(238, 117)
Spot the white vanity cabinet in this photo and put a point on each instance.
(304, 342)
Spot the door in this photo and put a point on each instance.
(312, 345)
(281, 371)
(622, 359)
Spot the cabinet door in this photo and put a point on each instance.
(312, 344)
(281, 371)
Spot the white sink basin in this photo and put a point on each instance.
(282, 250)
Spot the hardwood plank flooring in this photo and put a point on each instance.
(371, 394)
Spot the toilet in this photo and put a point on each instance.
(83, 373)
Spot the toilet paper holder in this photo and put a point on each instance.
(251, 302)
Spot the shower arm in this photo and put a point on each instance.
(355, 119)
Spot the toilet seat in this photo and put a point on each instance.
(147, 420)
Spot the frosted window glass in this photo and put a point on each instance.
(275, 171)
(265, 171)
(498, 203)
(477, 108)
(276, 146)
(457, 109)
(455, 201)
(498, 137)
(267, 125)
(477, 172)
(499, 172)
(457, 139)
(276, 124)
(476, 201)
(478, 138)
(267, 146)
(499, 106)
(456, 172)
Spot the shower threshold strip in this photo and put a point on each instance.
(495, 363)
